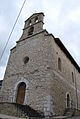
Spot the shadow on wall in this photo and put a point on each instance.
(1, 84)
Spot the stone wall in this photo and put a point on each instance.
(35, 72)
(11, 109)
(18, 110)
(62, 82)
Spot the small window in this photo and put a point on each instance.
(30, 23)
(72, 77)
(59, 64)
(31, 31)
(68, 101)
(26, 59)
(36, 19)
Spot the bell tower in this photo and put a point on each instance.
(33, 25)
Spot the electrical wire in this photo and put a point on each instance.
(12, 30)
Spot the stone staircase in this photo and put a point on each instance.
(18, 110)
(2, 116)
(68, 112)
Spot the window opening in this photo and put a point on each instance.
(59, 64)
(68, 101)
(30, 23)
(36, 19)
(72, 77)
(31, 31)
(26, 59)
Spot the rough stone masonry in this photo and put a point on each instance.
(41, 72)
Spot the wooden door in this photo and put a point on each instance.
(21, 93)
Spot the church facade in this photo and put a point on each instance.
(41, 72)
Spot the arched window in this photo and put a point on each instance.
(31, 31)
(30, 22)
(72, 77)
(59, 64)
(36, 19)
(68, 100)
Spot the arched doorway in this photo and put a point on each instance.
(68, 100)
(21, 93)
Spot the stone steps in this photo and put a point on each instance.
(68, 112)
(2, 116)
(18, 110)
(24, 111)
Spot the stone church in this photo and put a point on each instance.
(41, 73)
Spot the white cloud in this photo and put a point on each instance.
(52, 12)
(2, 24)
(75, 15)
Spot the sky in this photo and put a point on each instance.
(62, 19)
